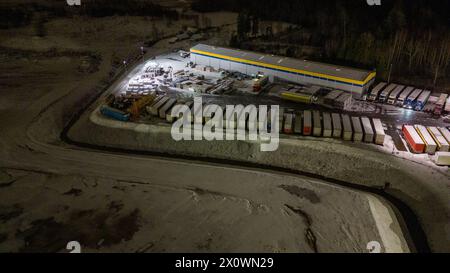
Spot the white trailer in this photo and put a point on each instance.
(394, 94)
(386, 92)
(307, 123)
(368, 131)
(358, 133)
(379, 131)
(337, 127)
(376, 91)
(154, 108)
(347, 124)
(317, 130)
(430, 145)
(327, 125)
(171, 118)
(402, 97)
(442, 144)
(288, 118)
(445, 133)
(411, 99)
(442, 158)
(298, 123)
(280, 119)
(243, 115)
(167, 106)
(210, 109)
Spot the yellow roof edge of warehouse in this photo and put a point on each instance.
(363, 82)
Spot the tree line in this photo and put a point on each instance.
(399, 37)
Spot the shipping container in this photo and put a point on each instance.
(358, 133)
(337, 127)
(442, 144)
(347, 125)
(298, 123)
(395, 94)
(442, 158)
(384, 95)
(422, 100)
(413, 139)
(288, 117)
(327, 125)
(368, 130)
(379, 131)
(307, 123)
(430, 145)
(402, 97)
(114, 113)
(445, 133)
(317, 123)
(376, 91)
(154, 108)
(412, 98)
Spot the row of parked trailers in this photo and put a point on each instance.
(307, 123)
(408, 97)
(315, 123)
(429, 140)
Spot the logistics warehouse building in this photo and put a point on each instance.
(356, 81)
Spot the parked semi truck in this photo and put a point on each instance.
(395, 94)
(402, 97)
(412, 98)
(439, 108)
(376, 91)
(384, 95)
(422, 100)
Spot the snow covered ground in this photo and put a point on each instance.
(52, 192)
